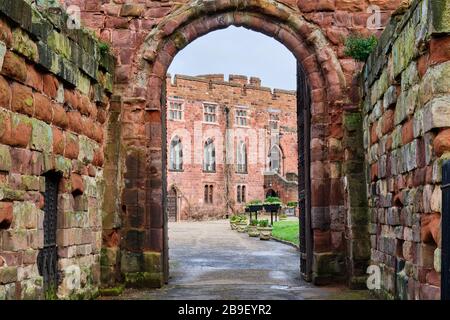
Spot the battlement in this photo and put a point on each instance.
(245, 83)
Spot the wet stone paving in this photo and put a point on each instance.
(209, 261)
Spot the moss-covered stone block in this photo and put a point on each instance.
(359, 216)
(440, 16)
(130, 262)
(109, 256)
(48, 3)
(358, 282)
(91, 293)
(32, 289)
(108, 276)
(144, 280)
(18, 11)
(361, 249)
(24, 45)
(406, 104)
(327, 264)
(83, 84)
(87, 147)
(352, 121)
(32, 183)
(112, 292)
(59, 43)
(41, 136)
(26, 215)
(8, 275)
(436, 81)
(352, 167)
(5, 158)
(404, 48)
(69, 72)
(40, 27)
(63, 165)
(356, 190)
(11, 194)
(48, 58)
(152, 261)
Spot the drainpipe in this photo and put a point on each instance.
(227, 165)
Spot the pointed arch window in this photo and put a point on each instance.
(209, 156)
(176, 154)
(241, 158)
(275, 159)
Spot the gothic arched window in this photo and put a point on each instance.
(209, 156)
(275, 159)
(241, 158)
(176, 154)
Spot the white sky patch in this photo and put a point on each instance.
(238, 51)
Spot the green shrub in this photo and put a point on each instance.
(104, 48)
(272, 200)
(256, 201)
(254, 223)
(359, 47)
(238, 218)
(292, 204)
(241, 218)
(235, 218)
(263, 223)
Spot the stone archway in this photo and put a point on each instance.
(271, 193)
(143, 124)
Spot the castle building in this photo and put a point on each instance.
(83, 150)
(228, 142)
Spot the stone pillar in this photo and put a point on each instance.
(356, 211)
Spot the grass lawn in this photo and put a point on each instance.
(287, 231)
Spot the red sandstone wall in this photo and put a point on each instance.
(406, 142)
(52, 110)
(193, 91)
(125, 24)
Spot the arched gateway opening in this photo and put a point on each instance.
(321, 86)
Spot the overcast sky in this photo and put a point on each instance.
(238, 51)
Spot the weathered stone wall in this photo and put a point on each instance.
(54, 88)
(146, 35)
(406, 119)
(55, 115)
(259, 102)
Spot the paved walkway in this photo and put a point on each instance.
(210, 261)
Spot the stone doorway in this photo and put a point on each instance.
(271, 193)
(144, 112)
(303, 106)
